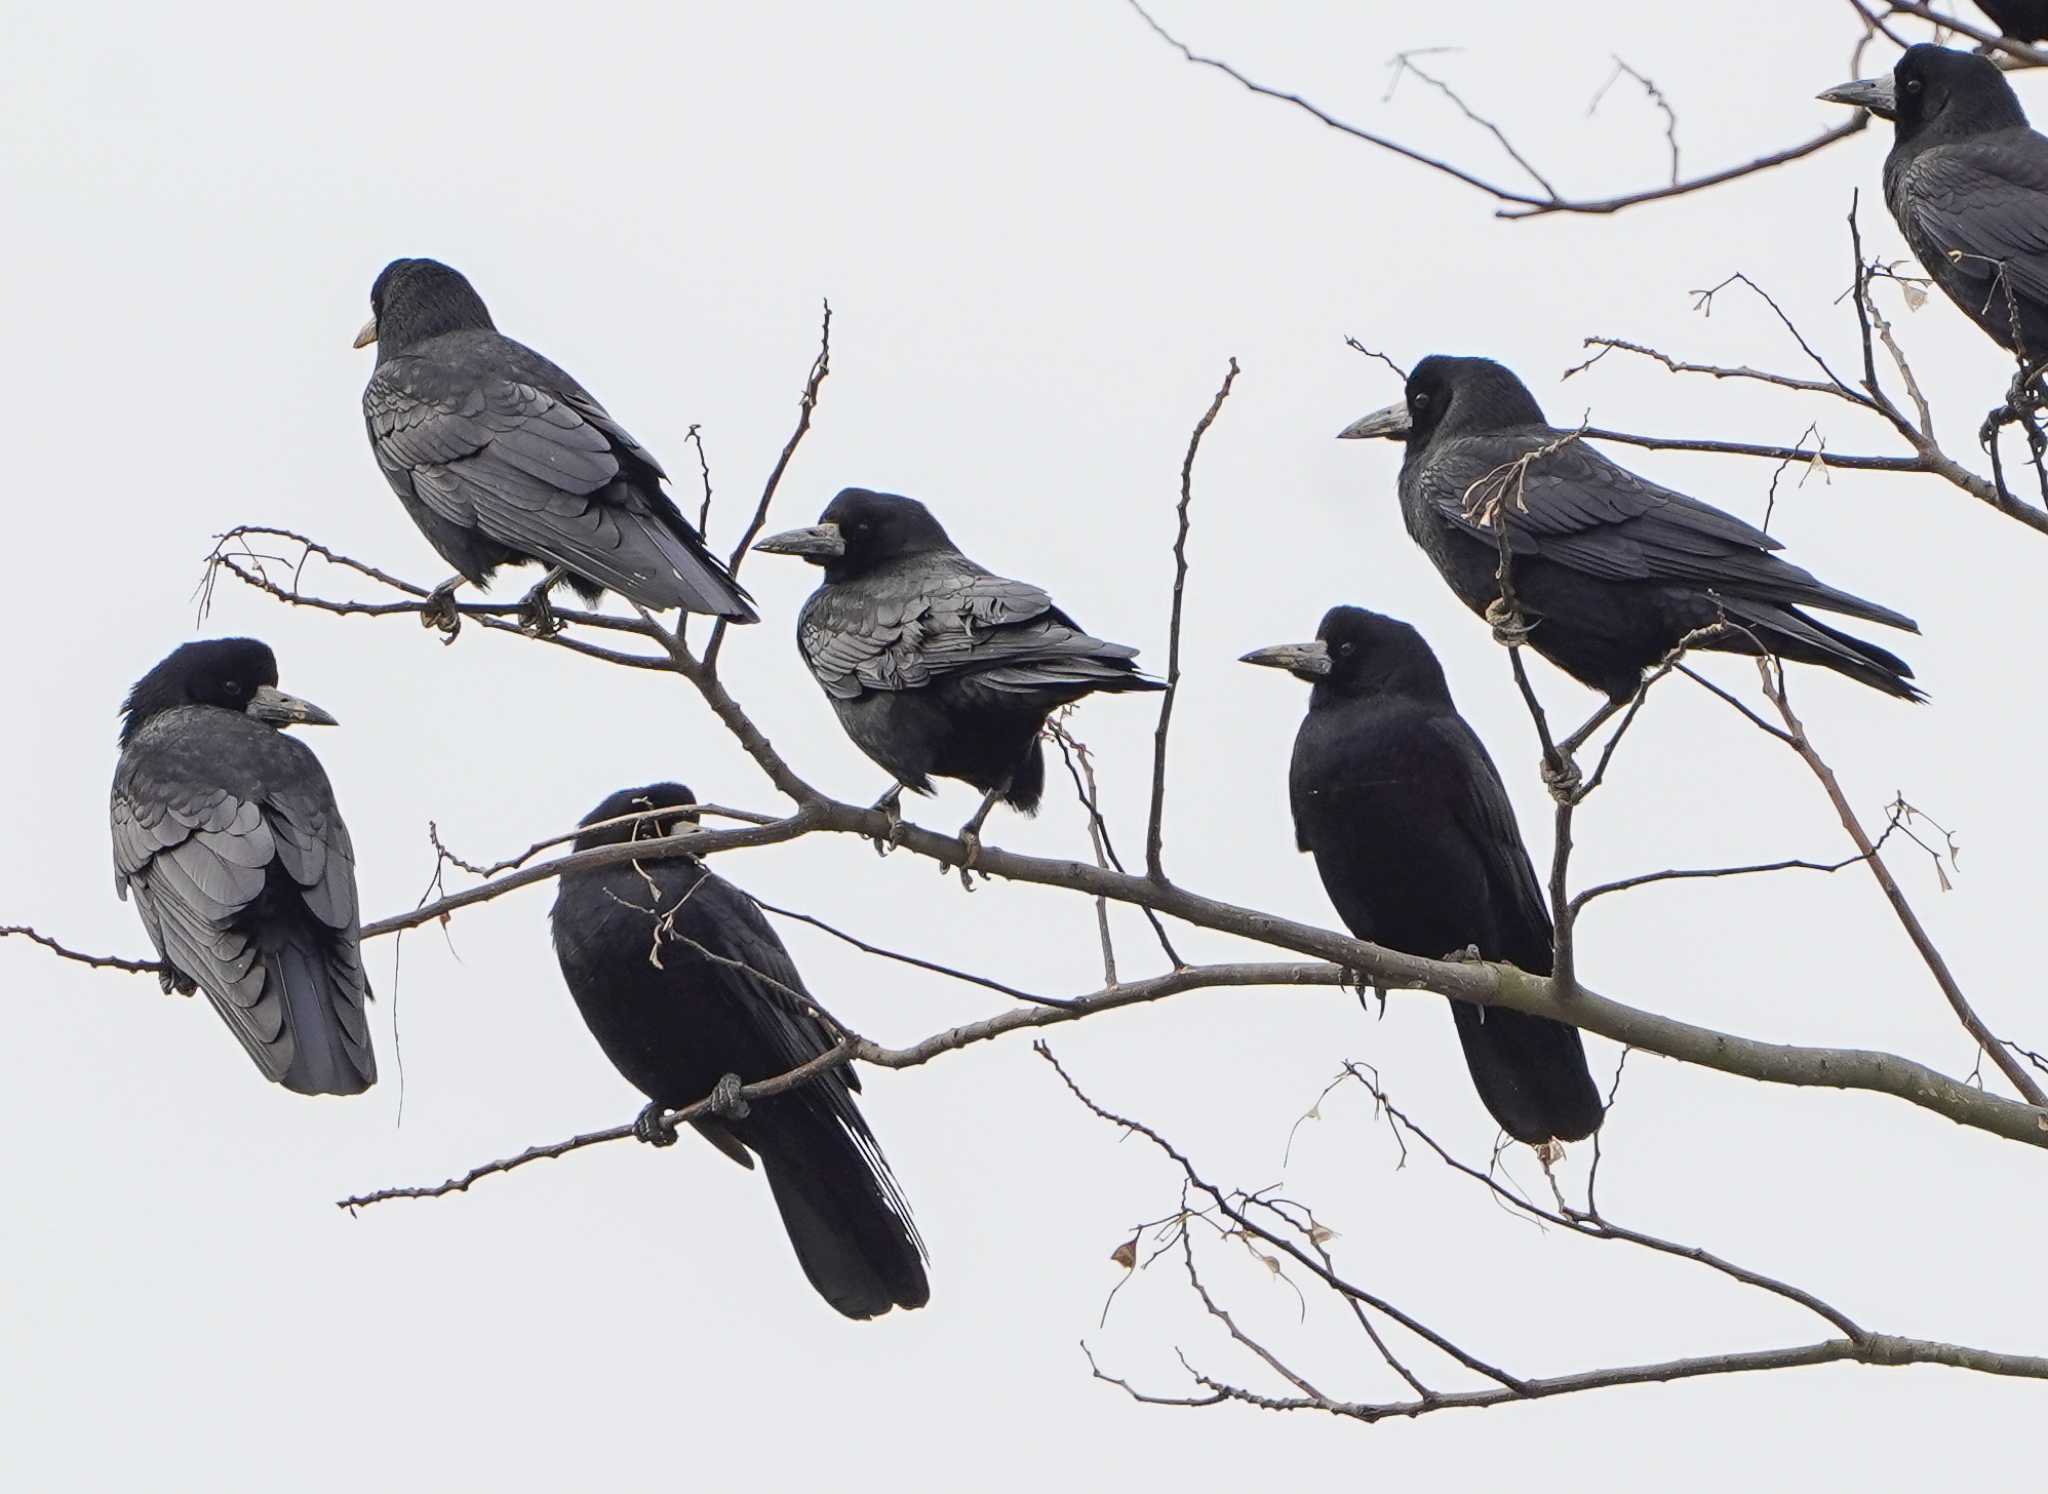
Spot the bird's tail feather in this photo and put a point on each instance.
(1791, 634)
(840, 1205)
(329, 1035)
(1530, 1072)
(675, 570)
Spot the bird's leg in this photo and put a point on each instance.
(970, 835)
(439, 609)
(724, 1100)
(535, 615)
(890, 804)
(651, 1128)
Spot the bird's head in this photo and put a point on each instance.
(661, 809)
(415, 299)
(1357, 654)
(860, 530)
(1452, 396)
(232, 674)
(1936, 89)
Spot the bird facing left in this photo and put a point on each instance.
(501, 458)
(226, 831)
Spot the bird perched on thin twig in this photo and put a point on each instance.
(937, 667)
(226, 831)
(691, 995)
(1609, 569)
(1416, 843)
(502, 459)
(1967, 181)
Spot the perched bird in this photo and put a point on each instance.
(936, 667)
(1610, 570)
(226, 831)
(2022, 20)
(1967, 181)
(502, 459)
(690, 994)
(1418, 849)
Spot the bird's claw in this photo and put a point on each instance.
(175, 984)
(724, 1100)
(1563, 779)
(1510, 628)
(1469, 955)
(439, 610)
(537, 615)
(651, 1127)
(890, 805)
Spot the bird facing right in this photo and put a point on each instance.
(227, 833)
(1610, 570)
(1967, 182)
(1417, 846)
(935, 666)
(683, 983)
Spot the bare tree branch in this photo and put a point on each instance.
(1154, 828)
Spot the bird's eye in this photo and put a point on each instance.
(1420, 401)
(1345, 648)
(233, 687)
(1912, 85)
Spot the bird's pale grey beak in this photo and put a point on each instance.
(368, 335)
(820, 542)
(1392, 423)
(275, 708)
(1303, 660)
(1875, 94)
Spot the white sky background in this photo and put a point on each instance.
(1042, 235)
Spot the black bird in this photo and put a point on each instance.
(226, 831)
(2022, 20)
(1610, 570)
(502, 459)
(1417, 846)
(652, 951)
(1967, 181)
(936, 667)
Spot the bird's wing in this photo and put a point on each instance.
(1565, 501)
(197, 855)
(531, 464)
(1482, 813)
(903, 631)
(1981, 203)
(769, 989)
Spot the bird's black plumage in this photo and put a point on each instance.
(2022, 20)
(1417, 846)
(1611, 569)
(675, 1028)
(227, 833)
(937, 667)
(502, 459)
(1967, 182)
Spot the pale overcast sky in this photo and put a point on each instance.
(1042, 235)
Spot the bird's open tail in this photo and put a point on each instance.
(849, 1224)
(1530, 1072)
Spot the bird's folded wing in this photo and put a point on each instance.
(1480, 809)
(196, 857)
(1984, 204)
(777, 1005)
(905, 633)
(1570, 504)
(530, 468)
